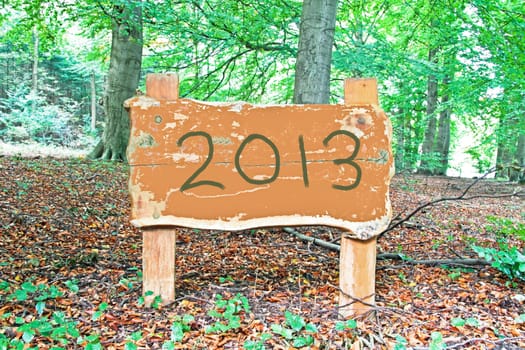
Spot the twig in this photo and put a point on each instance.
(494, 342)
(462, 196)
(316, 241)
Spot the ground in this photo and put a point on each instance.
(70, 272)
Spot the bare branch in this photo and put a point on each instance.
(461, 197)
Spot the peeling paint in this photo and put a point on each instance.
(221, 140)
(143, 102)
(145, 205)
(236, 107)
(146, 140)
(186, 157)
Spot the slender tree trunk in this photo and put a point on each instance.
(520, 157)
(503, 160)
(314, 57)
(122, 81)
(426, 166)
(507, 143)
(400, 134)
(442, 146)
(34, 85)
(93, 124)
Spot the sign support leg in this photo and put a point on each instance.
(357, 265)
(158, 264)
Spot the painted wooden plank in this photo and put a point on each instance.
(237, 166)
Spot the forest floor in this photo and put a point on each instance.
(70, 272)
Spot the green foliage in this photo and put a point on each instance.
(155, 303)
(180, 326)
(460, 322)
(401, 343)
(296, 330)
(100, 311)
(347, 325)
(437, 342)
(506, 258)
(228, 313)
(131, 343)
(257, 344)
(504, 228)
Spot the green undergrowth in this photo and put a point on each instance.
(509, 255)
(51, 327)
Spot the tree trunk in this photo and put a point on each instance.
(314, 56)
(400, 134)
(34, 76)
(507, 147)
(520, 158)
(442, 146)
(426, 166)
(122, 81)
(93, 102)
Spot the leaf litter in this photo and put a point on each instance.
(67, 250)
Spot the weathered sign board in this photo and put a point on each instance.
(234, 166)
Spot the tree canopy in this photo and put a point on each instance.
(446, 69)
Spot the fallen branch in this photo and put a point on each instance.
(316, 241)
(462, 197)
(391, 256)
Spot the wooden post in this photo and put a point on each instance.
(158, 252)
(162, 86)
(158, 263)
(357, 259)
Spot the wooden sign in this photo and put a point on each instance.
(233, 166)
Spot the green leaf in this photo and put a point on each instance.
(28, 335)
(295, 321)
(29, 287)
(437, 342)
(96, 315)
(130, 346)
(177, 331)
(187, 318)
(168, 345)
(300, 342)
(457, 322)
(401, 343)
(20, 295)
(72, 285)
(40, 307)
(310, 327)
(4, 285)
(473, 322)
(103, 306)
(287, 333)
(522, 267)
(136, 336)
(343, 326)
(520, 319)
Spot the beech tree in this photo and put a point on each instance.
(122, 79)
(314, 55)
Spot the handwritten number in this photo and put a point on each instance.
(266, 140)
(303, 162)
(349, 160)
(189, 182)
